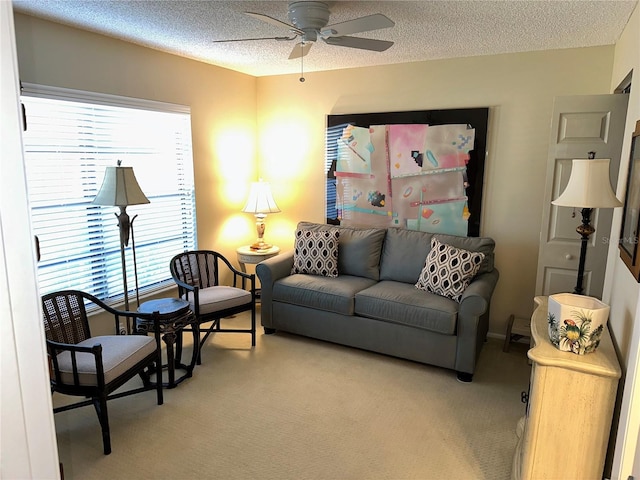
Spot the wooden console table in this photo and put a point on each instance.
(565, 431)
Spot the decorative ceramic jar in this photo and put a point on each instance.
(576, 322)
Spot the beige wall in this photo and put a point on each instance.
(621, 289)
(222, 104)
(518, 88)
(620, 286)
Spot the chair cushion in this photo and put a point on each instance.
(216, 299)
(449, 270)
(119, 354)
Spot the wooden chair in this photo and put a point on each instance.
(94, 367)
(197, 274)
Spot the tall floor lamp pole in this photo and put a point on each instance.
(120, 188)
(589, 187)
(585, 230)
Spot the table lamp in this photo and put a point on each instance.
(589, 187)
(260, 203)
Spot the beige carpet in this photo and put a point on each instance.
(296, 408)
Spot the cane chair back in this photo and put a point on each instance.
(197, 268)
(65, 318)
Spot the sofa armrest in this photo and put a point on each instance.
(473, 319)
(269, 271)
(476, 298)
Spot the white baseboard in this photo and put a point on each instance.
(501, 336)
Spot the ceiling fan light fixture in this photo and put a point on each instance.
(310, 36)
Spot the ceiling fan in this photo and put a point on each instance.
(309, 22)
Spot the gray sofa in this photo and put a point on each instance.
(373, 303)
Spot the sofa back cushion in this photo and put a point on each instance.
(359, 249)
(405, 252)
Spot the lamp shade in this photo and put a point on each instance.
(589, 186)
(260, 199)
(120, 188)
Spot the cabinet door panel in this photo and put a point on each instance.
(568, 416)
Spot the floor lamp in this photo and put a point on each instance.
(589, 187)
(120, 189)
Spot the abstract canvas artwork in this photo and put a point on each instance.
(409, 175)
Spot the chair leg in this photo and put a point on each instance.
(195, 354)
(100, 404)
(159, 393)
(253, 326)
(215, 325)
(145, 375)
(178, 356)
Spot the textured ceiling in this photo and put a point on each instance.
(425, 30)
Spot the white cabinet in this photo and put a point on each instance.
(565, 432)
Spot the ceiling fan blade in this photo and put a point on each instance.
(300, 50)
(358, 25)
(274, 21)
(361, 43)
(253, 39)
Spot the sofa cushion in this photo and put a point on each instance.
(322, 293)
(402, 303)
(448, 270)
(483, 245)
(316, 253)
(403, 254)
(359, 249)
(405, 251)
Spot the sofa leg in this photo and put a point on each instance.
(464, 377)
(269, 331)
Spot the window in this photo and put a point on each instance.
(331, 157)
(71, 137)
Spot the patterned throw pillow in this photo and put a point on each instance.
(316, 253)
(448, 270)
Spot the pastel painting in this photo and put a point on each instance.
(406, 149)
(354, 150)
(448, 146)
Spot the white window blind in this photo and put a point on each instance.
(71, 138)
(333, 134)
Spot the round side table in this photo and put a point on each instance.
(175, 314)
(246, 255)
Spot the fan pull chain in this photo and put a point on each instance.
(302, 62)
